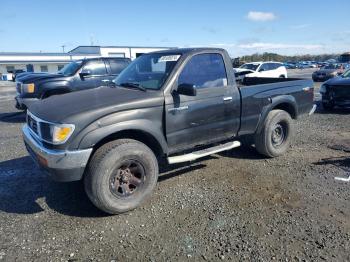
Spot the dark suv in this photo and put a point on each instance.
(75, 76)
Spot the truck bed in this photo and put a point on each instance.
(258, 93)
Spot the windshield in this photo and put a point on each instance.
(70, 68)
(250, 66)
(149, 71)
(346, 74)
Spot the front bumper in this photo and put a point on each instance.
(337, 100)
(63, 166)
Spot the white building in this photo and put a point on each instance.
(52, 62)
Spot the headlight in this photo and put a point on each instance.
(60, 134)
(323, 89)
(56, 133)
(28, 88)
(49, 132)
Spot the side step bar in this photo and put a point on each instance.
(202, 153)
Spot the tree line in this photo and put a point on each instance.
(283, 58)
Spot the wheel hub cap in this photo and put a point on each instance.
(127, 178)
(278, 135)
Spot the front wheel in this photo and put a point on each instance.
(276, 134)
(121, 175)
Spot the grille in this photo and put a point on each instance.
(33, 124)
(341, 91)
(18, 87)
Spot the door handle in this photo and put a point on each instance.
(307, 89)
(227, 98)
(106, 80)
(175, 109)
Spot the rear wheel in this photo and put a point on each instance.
(275, 136)
(121, 175)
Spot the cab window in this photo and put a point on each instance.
(95, 68)
(117, 66)
(203, 71)
(264, 67)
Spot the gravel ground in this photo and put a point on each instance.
(231, 206)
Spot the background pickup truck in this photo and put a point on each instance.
(75, 76)
(176, 105)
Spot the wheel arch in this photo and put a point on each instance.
(53, 86)
(57, 91)
(141, 130)
(286, 103)
(139, 135)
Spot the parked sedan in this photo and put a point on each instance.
(336, 91)
(328, 72)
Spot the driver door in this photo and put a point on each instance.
(199, 119)
(91, 75)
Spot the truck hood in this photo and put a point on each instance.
(93, 104)
(34, 77)
(338, 81)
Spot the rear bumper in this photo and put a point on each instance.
(62, 166)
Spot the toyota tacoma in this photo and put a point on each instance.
(171, 106)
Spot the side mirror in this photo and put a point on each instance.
(261, 70)
(187, 90)
(84, 74)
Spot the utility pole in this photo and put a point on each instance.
(63, 46)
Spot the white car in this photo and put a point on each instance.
(262, 69)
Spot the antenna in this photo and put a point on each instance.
(63, 46)
(91, 39)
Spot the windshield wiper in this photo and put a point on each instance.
(135, 85)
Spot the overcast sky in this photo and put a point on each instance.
(242, 27)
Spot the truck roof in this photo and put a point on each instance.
(188, 50)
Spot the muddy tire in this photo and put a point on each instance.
(121, 175)
(275, 136)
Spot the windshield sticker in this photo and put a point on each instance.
(169, 58)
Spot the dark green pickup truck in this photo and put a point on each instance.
(175, 106)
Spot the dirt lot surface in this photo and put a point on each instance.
(233, 206)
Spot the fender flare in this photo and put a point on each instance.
(144, 126)
(54, 86)
(286, 101)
